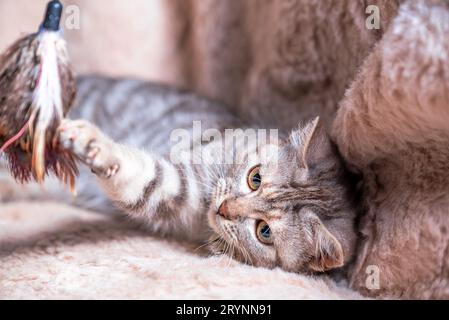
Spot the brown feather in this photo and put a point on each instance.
(34, 154)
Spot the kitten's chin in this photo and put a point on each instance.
(216, 226)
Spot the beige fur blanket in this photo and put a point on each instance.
(49, 251)
(295, 59)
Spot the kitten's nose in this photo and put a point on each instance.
(223, 210)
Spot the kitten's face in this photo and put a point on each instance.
(292, 213)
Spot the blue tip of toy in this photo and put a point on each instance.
(52, 16)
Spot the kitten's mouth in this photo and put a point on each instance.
(216, 224)
(219, 241)
(213, 215)
(224, 242)
(217, 220)
(220, 227)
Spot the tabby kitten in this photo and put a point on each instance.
(280, 204)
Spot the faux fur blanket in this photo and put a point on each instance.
(49, 251)
(382, 92)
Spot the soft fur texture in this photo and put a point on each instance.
(49, 251)
(299, 57)
(393, 126)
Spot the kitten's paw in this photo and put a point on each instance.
(90, 146)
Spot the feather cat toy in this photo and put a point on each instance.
(37, 89)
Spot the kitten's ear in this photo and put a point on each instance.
(316, 145)
(328, 251)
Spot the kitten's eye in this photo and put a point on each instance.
(254, 178)
(263, 232)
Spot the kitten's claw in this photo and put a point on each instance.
(90, 146)
(106, 173)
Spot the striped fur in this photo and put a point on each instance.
(124, 138)
(171, 198)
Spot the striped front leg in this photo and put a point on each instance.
(141, 184)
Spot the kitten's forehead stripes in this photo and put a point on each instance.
(307, 193)
(287, 199)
